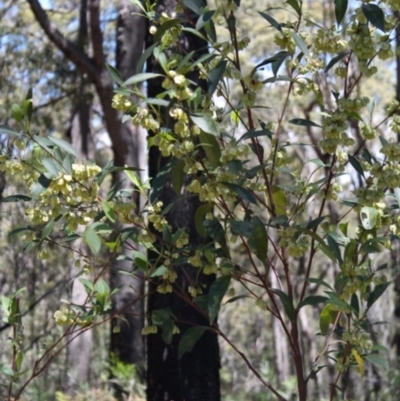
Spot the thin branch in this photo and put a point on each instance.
(96, 35)
(71, 52)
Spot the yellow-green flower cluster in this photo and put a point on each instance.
(155, 217)
(121, 103)
(146, 120)
(171, 35)
(285, 41)
(329, 41)
(64, 316)
(295, 243)
(179, 85)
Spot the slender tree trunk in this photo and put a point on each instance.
(195, 377)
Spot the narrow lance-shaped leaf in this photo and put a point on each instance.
(205, 123)
(301, 44)
(303, 122)
(376, 293)
(215, 77)
(189, 339)
(242, 193)
(211, 148)
(287, 303)
(217, 291)
(335, 60)
(374, 15)
(144, 76)
(271, 20)
(340, 10)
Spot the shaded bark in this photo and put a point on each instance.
(195, 377)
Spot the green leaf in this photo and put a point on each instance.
(102, 287)
(109, 212)
(205, 123)
(242, 193)
(334, 247)
(15, 198)
(39, 187)
(335, 60)
(303, 122)
(217, 233)
(322, 246)
(177, 175)
(195, 5)
(295, 5)
(63, 145)
(276, 61)
(211, 148)
(376, 293)
(313, 300)
(356, 164)
(287, 304)
(202, 302)
(355, 304)
(189, 339)
(241, 228)
(368, 216)
(374, 15)
(48, 228)
(319, 282)
(92, 240)
(143, 58)
(377, 360)
(204, 19)
(271, 20)
(217, 291)
(215, 76)
(315, 223)
(115, 75)
(20, 230)
(89, 287)
(199, 218)
(17, 112)
(4, 129)
(144, 76)
(340, 10)
(255, 134)
(301, 44)
(280, 200)
(259, 240)
(326, 317)
(141, 261)
(51, 166)
(160, 271)
(236, 298)
(161, 317)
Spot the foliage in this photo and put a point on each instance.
(266, 208)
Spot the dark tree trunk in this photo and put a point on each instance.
(195, 377)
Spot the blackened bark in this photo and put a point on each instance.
(195, 377)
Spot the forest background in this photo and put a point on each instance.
(72, 98)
